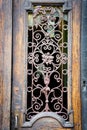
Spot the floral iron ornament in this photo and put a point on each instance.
(47, 62)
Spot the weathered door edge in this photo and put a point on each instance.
(76, 84)
(5, 62)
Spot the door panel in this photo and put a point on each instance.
(42, 65)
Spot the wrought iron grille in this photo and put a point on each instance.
(47, 61)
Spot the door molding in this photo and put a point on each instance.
(67, 6)
(63, 123)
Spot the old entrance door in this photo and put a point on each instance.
(46, 65)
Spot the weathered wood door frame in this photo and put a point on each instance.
(6, 63)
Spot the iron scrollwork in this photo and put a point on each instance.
(47, 62)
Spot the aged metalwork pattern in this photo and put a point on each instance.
(47, 61)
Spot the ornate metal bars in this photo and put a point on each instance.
(47, 62)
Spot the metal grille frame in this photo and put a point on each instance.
(29, 8)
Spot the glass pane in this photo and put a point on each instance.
(47, 62)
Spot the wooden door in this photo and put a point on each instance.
(46, 65)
